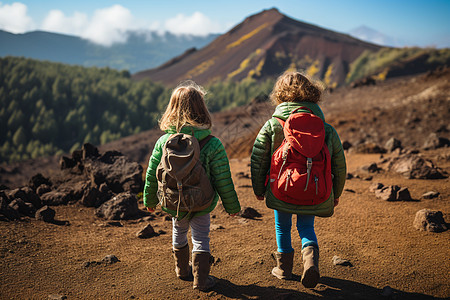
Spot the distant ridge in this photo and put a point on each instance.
(142, 50)
(264, 45)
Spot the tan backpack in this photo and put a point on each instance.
(182, 181)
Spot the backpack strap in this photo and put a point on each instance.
(203, 142)
(281, 121)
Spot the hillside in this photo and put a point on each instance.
(390, 258)
(264, 45)
(142, 50)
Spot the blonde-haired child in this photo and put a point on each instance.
(187, 113)
(294, 91)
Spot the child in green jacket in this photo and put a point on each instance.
(187, 113)
(294, 91)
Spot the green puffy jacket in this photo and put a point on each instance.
(270, 138)
(214, 160)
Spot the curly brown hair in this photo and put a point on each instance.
(186, 108)
(295, 87)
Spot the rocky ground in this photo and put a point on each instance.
(79, 253)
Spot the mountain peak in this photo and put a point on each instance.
(264, 45)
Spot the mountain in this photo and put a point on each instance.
(142, 50)
(370, 35)
(264, 45)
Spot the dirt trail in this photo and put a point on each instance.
(38, 259)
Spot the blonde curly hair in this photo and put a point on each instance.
(186, 108)
(295, 87)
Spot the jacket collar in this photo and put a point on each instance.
(284, 109)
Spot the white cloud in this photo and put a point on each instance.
(197, 24)
(56, 21)
(106, 27)
(14, 18)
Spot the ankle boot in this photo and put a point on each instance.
(311, 274)
(182, 268)
(283, 270)
(201, 267)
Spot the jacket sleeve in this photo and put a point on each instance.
(151, 184)
(260, 159)
(221, 178)
(338, 165)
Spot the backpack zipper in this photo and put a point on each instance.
(289, 172)
(316, 179)
(308, 171)
(284, 157)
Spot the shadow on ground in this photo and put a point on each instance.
(328, 288)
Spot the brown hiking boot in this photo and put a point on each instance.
(201, 264)
(283, 270)
(311, 274)
(182, 267)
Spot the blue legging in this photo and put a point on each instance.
(305, 228)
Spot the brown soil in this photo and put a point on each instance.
(38, 259)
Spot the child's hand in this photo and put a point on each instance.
(151, 209)
(259, 197)
(336, 202)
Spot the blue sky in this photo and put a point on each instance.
(414, 23)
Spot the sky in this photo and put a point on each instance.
(410, 22)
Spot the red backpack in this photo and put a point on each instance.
(300, 170)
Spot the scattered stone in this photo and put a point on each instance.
(388, 193)
(337, 261)
(404, 195)
(346, 145)
(375, 186)
(413, 166)
(372, 168)
(122, 207)
(114, 224)
(434, 141)
(42, 189)
(216, 227)
(369, 148)
(349, 176)
(430, 195)
(349, 190)
(429, 220)
(146, 232)
(55, 198)
(22, 207)
(45, 214)
(393, 144)
(67, 163)
(387, 291)
(57, 297)
(243, 175)
(110, 259)
(38, 180)
(249, 213)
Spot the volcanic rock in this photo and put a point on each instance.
(429, 220)
(146, 232)
(249, 213)
(434, 141)
(122, 207)
(430, 195)
(393, 144)
(38, 180)
(45, 214)
(413, 166)
(337, 261)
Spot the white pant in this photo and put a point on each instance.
(199, 232)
